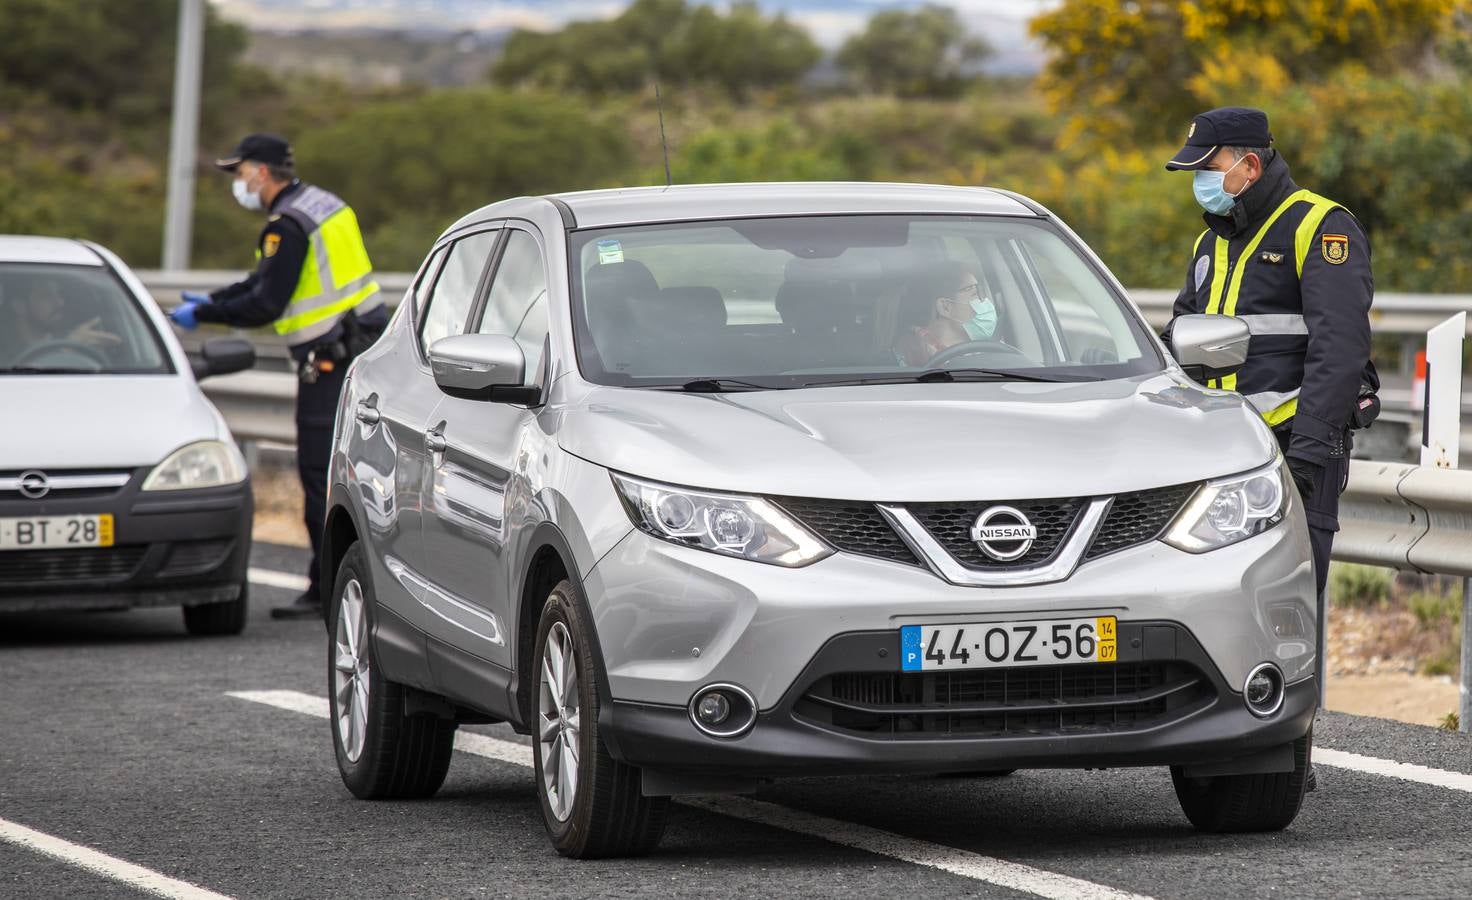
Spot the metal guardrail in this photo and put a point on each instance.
(1413, 518)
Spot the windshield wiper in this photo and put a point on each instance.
(715, 386)
(946, 376)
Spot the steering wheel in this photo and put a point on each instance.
(967, 348)
(92, 354)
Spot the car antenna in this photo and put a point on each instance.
(663, 142)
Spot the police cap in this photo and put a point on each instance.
(1229, 126)
(270, 149)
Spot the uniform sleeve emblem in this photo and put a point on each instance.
(1335, 248)
(270, 244)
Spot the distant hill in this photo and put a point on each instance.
(444, 42)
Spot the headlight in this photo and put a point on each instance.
(202, 465)
(1231, 509)
(747, 527)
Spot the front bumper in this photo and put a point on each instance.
(1186, 718)
(175, 548)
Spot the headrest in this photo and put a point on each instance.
(810, 307)
(629, 278)
(684, 309)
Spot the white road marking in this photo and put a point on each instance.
(270, 578)
(1389, 768)
(964, 863)
(101, 864)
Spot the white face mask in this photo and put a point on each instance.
(246, 197)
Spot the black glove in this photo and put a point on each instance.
(1304, 474)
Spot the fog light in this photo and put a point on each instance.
(713, 708)
(1263, 690)
(723, 710)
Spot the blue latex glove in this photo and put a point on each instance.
(183, 316)
(195, 296)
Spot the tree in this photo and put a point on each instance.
(667, 40)
(1138, 71)
(114, 57)
(925, 53)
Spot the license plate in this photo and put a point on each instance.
(986, 645)
(56, 532)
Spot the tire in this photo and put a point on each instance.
(1237, 803)
(607, 814)
(213, 619)
(385, 755)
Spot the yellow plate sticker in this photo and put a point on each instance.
(1108, 633)
(105, 536)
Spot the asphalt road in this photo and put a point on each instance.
(119, 733)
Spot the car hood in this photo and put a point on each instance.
(999, 440)
(100, 421)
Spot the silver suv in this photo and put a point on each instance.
(705, 486)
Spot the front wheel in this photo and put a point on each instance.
(1235, 803)
(381, 753)
(219, 618)
(593, 805)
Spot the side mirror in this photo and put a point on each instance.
(1209, 346)
(481, 367)
(221, 356)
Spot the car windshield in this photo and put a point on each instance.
(792, 302)
(67, 319)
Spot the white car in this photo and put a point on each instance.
(120, 484)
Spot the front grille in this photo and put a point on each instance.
(850, 526)
(195, 557)
(1139, 517)
(96, 565)
(951, 523)
(61, 493)
(1033, 700)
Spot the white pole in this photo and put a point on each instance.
(1464, 717)
(184, 135)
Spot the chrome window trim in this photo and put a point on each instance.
(71, 482)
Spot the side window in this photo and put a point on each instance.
(453, 292)
(518, 301)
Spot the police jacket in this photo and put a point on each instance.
(263, 297)
(1296, 267)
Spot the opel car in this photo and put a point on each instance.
(706, 486)
(120, 484)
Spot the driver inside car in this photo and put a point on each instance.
(39, 316)
(950, 308)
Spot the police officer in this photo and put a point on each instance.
(1296, 267)
(313, 282)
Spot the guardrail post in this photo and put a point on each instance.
(1464, 715)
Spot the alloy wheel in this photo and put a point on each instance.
(350, 671)
(559, 723)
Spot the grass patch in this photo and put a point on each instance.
(1359, 587)
(1450, 723)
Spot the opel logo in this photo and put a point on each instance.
(1003, 533)
(33, 484)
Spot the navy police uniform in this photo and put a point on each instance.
(1296, 267)
(325, 323)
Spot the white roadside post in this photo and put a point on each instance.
(1441, 432)
(184, 136)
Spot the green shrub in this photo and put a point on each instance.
(1359, 587)
(1436, 609)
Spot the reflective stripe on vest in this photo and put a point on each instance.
(1275, 407)
(336, 275)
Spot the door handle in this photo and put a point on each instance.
(434, 441)
(367, 414)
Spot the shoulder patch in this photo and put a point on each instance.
(270, 244)
(1335, 248)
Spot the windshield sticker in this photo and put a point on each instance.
(610, 252)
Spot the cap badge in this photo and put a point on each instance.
(1191, 132)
